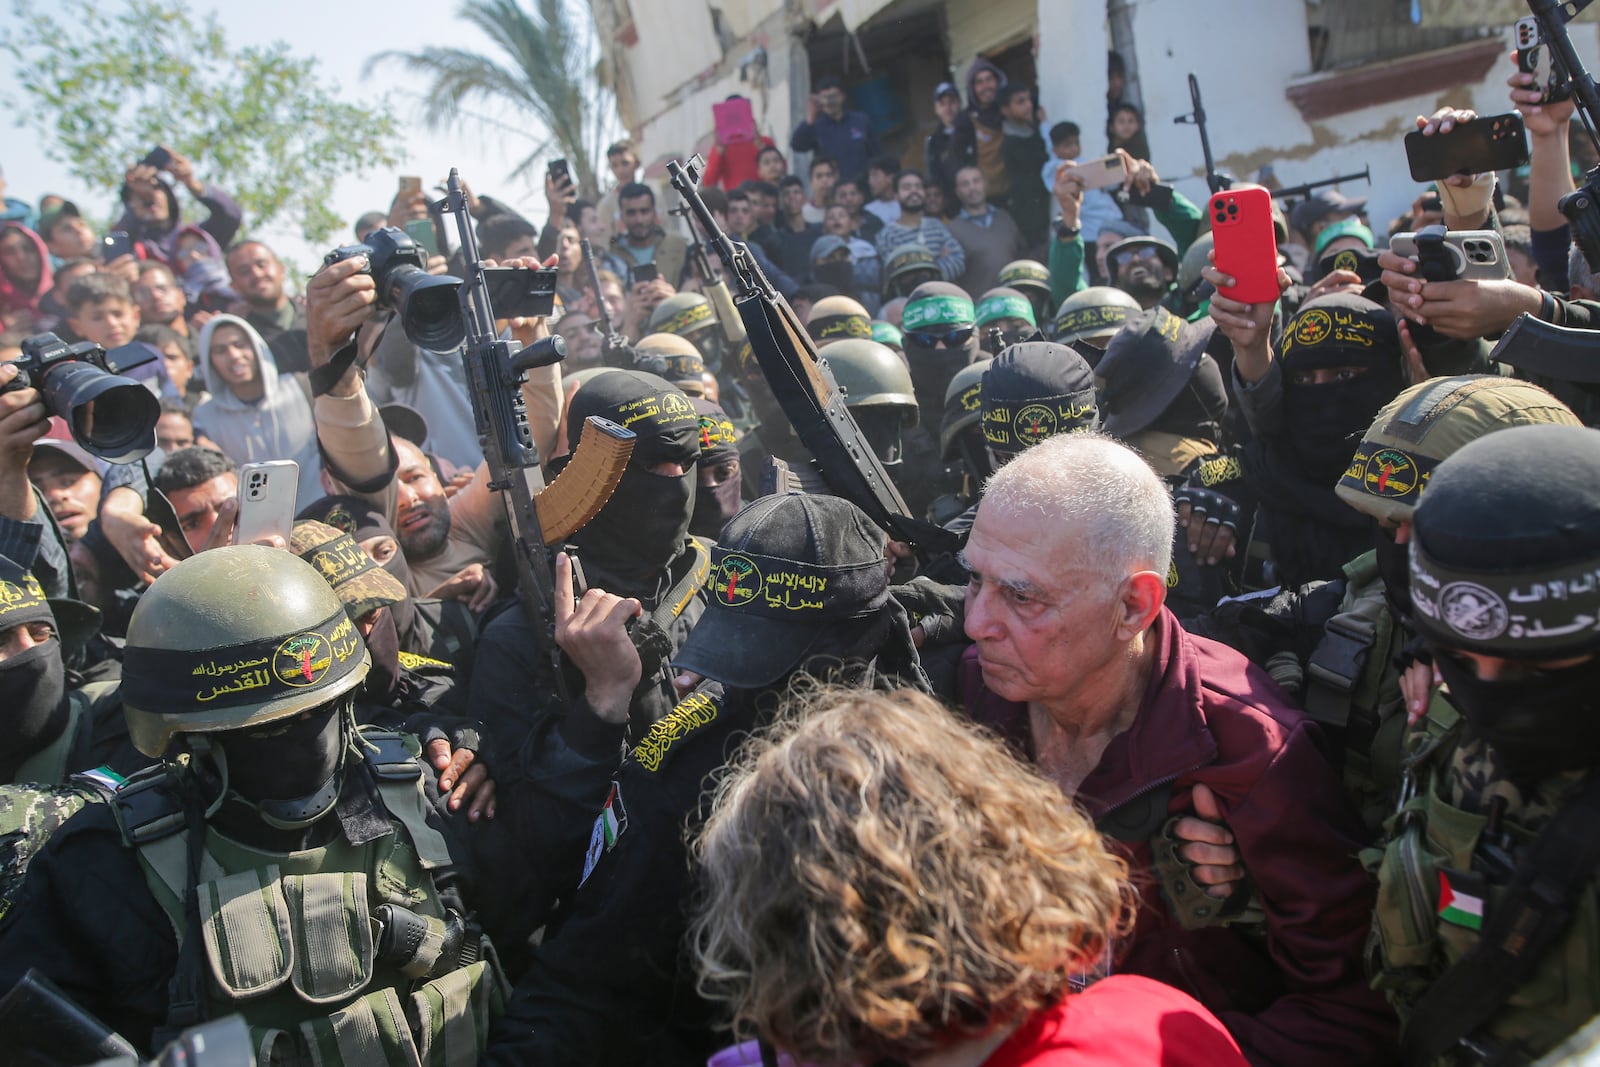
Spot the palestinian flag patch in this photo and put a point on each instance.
(608, 826)
(1461, 899)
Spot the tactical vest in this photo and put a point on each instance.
(338, 954)
(1436, 892)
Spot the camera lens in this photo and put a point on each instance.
(111, 416)
(429, 307)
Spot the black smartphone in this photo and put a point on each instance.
(643, 272)
(1487, 143)
(559, 172)
(158, 158)
(114, 245)
(520, 292)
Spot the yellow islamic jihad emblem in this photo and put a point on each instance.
(1347, 260)
(302, 660)
(1034, 423)
(1313, 328)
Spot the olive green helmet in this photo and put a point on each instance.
(871, 375)
(672, 357)
(963, 404)
(833, 318)
(1093, 315)
(235, 637)
(682, 314)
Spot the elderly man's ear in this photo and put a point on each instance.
(1139, 602)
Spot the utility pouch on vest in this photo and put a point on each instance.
(452, 1014)
(373, 1030)
(1336, 665)
(244, 920)
(334, 956)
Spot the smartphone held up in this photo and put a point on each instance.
(1245, 244)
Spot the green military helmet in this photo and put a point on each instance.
(675, 358)
(235, 637)
(1001, 304)
(1425, 425)
(1093, 315)
(1189, 267)
(908, 267)
(871, 375)
(963, 404)
(834, 318)
(683, 314)
(1032, 279)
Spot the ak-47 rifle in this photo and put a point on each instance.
(614, 346)
(1307, 188)
(540, 515)
(716, 288)
(1542, 348)
(803, 384)
(1197, 119)
(1582, 205)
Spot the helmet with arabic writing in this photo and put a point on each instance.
(1425, 425)
(234, 637)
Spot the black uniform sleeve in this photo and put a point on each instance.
(86, 919)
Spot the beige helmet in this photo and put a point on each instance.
(834, 318)
(235, 637)
(672, 357)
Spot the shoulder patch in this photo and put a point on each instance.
(413, 662)
(693, 712)
(1219, 470)
(609, 825)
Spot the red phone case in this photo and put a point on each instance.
(1246, 244)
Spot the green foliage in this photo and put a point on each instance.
(546, 72)
(266, 126)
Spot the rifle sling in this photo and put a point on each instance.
(1521, 928)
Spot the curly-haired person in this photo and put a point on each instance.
(883, 882)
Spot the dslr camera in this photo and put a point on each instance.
(111, 416)
(428, 305)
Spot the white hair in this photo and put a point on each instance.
(1118, 508)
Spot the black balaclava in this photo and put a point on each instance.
(383, 645)
(1324, 422)
(719, 442)
(33, 688)
(937, 307)
(641, 528)
(33, 693)
(1505, 547)
(1394, 567)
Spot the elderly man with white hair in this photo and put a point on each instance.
(1078, 662)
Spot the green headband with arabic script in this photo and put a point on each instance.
(1005, 306)
(937, 311)
(795, 591)
(253, 673)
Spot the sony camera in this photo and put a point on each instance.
(111, 416)
(428, 305)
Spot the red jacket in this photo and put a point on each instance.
(1299, 995)
(729, 166)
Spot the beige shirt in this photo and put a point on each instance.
(353, 435)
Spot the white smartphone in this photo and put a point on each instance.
(267, 493)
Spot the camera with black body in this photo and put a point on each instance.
(428, 305)
(111, 416)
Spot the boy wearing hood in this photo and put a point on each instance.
(152, 216)
(25, 275)
(255, 412)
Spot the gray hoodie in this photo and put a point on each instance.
(278, 426)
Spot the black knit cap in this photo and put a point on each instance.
(664, 419)
(1505, 547)
(1035, 390)
(785, 573)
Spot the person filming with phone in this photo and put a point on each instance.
(152, 216)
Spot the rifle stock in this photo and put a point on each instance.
(1538, 347)
(495, 371)
(804, 386)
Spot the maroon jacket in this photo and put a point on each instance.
(1298, 995)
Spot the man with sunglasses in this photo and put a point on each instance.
(1144, 268)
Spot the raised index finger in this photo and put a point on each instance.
(563, 589)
